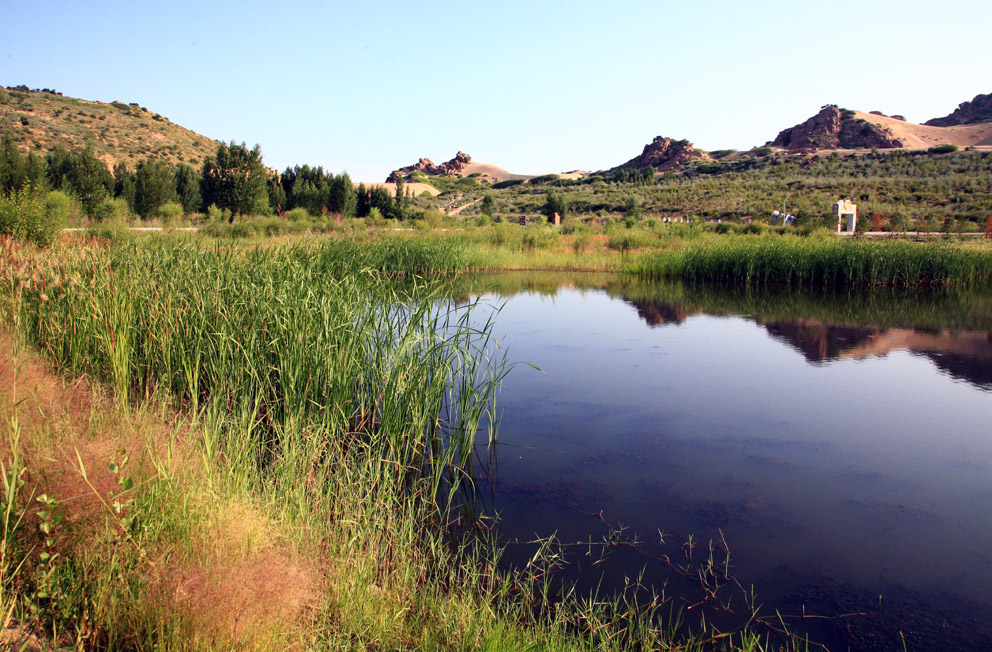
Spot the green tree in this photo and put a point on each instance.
(554, 203)
(363, 201)
(188, 189)
(235, 179)
(488, 205)
(17, 170)
(277, 194)
(81, 173)
(341, 196)
(154, 185)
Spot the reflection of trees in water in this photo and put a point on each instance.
(951, 328)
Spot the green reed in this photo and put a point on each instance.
(282, 349)
(816, 262)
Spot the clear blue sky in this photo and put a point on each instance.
(534, 87)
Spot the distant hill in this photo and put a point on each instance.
(976, 111)
(836, 128)
(460, 166)
(924, 136)
(40, 120)
(664, 154)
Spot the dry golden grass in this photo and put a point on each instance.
(117, 131)
(238, 583)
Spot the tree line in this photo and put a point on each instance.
(234, 181)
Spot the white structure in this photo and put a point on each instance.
(787, 219)
(844, 209)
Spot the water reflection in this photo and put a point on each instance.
(952, 329)
(860, 467)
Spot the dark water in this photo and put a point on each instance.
(839, 445)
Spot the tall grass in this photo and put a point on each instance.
(273, 346)
(347, 405)
(815, 262)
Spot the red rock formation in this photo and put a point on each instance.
(452, 168)
(664, 154)
(967, 113)
(833, 128)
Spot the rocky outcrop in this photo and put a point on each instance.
(452, 168)
(968, 113)
(664, 154)
(834, 128)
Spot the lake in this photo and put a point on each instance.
(839, 446)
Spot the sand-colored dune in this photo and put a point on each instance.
(924, 136)
(415, 189)
(492, 171)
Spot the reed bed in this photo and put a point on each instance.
(823, 263)
(345, 405)
(271, 345)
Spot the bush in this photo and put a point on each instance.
(434, 218)
(215, 214)
(761, 151)
(58, 206)
(581, 241)
(112, 209)
(544, 178)
(298, 214)
(169, 212)
(509, 183)
(23, 215)
(943, 149)
(573, 225)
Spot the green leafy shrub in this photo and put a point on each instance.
(297, 214)
(509, 183)
(58, 206)
(169, 212)
(215, 214)
(434, 218)
(111, 209)
(23, 215)
(544, 178)
(943, 149)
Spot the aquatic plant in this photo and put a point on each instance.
(817, 262)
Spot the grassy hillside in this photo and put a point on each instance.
(117, 131)
(913, 190)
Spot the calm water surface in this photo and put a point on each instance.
(840, 445)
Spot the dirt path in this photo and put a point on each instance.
(456, 211)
